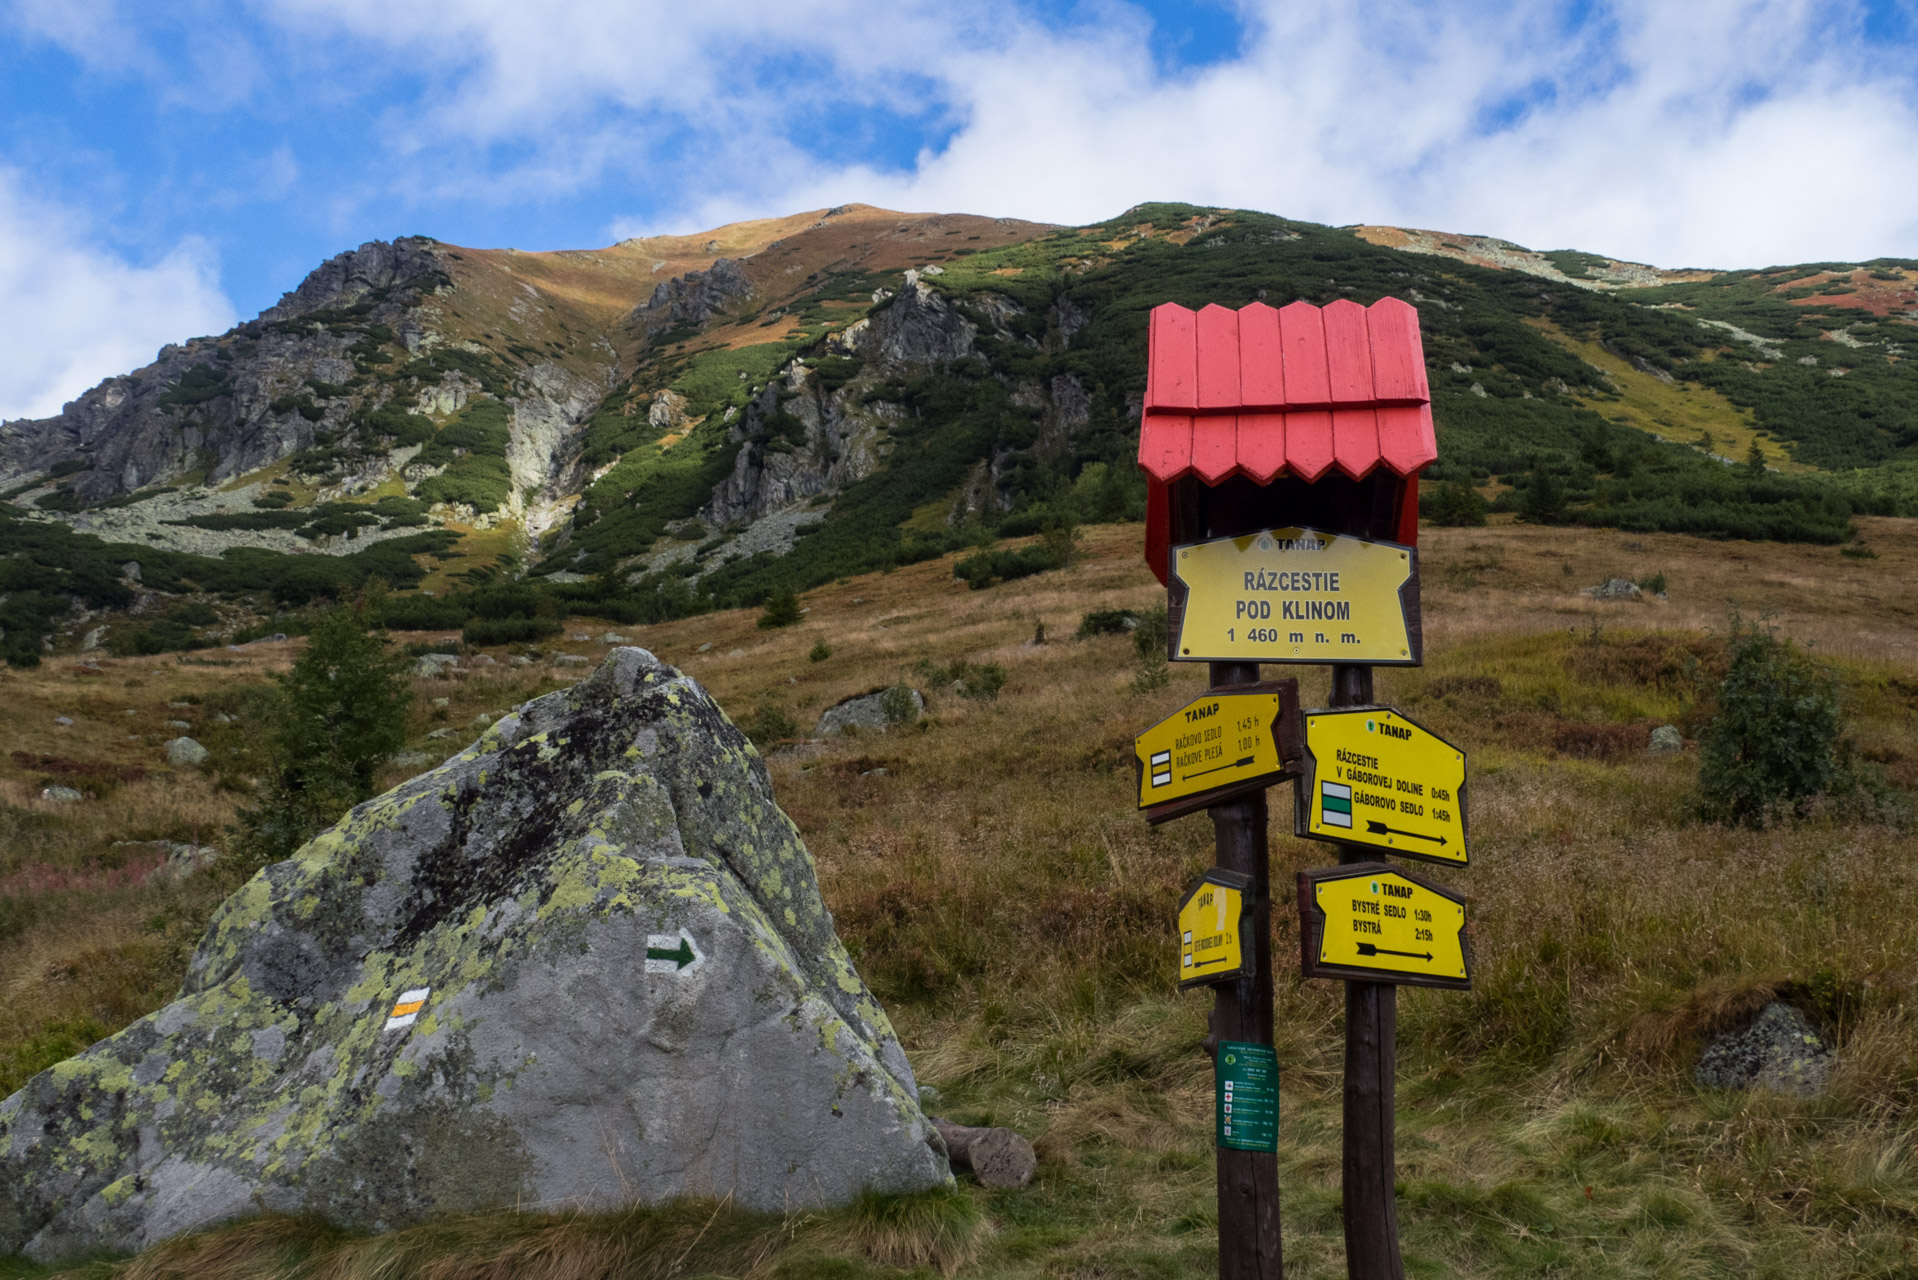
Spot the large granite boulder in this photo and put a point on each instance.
(582, 963)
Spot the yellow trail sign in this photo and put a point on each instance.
(1374, 778)
(1211, 945)
(1234, 739)
(1370, 922)
(1295, 595)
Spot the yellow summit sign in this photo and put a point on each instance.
(1295, 595)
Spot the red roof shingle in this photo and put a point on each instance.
(1260, 392)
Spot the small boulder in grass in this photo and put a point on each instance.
(61, 795)
(1666, 739)
(997, 1157)
(185, 753)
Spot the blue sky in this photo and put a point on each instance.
(166, 169)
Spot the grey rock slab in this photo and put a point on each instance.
(583, 962)
(61, 795)
(865, 712)
(185, 751)
(1777, 1050)
(1666, 739)
(612, 638)
(1615, 589)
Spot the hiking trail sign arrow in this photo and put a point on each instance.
(1294, 595)
(672, 953)
(1211, 945)
(1234, 739)
(1370, 922)
(1374, 778)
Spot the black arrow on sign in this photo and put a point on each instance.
(1198, 965)
(1367, 949)
(1200, 773)
(1380, 829)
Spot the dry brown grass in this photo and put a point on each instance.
(1006, 902)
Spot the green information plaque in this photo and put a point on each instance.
(1246, 1096)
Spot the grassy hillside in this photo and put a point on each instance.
(1015, 915)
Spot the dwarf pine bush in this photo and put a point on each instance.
(1774, 743)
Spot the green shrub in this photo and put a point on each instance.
(782, 610)
(1456, 504)
(820, 652)
(1107, 622)
(484, 631)
(896, 704)
(1543, 501)
(1773, 744)
(770, 724)
(989, 567)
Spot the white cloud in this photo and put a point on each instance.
(1714, 132)
(72, 312)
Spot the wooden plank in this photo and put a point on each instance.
(1215, 446)
(1302, 338)
(1172, 381)
(1158, 528)
(1165, 446)
(1261, 443)
(1355, 440)
(1398, 353)
(1406, 439)
(1308, 443)
(1261, 358)
(1348, 353)
(1218, 358)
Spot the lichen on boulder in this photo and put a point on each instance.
(584, 962)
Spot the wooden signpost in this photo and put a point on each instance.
(1281, 450)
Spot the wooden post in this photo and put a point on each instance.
(1371, 1067)
(1249, 1247)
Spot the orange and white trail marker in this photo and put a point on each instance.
(407, 1008)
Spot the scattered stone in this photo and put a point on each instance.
(485, 660)
(999, 1158)
(60, 795)
(702, 648)
(130, 711)
(569, 660)
(184, 752)
(427, 669)
(640, 996)
(94, 638)
(480, 721)
(221, 717)
(859, 600)
(63, 721)
(520, 660)
(1616, 589)
(1667, 738)
(867, 712)
(179, 706)
(874, 773)
(440, 704)
(439, 734)
(179, 724)
(736, 653)
(613, 637)
(1777, 1050)
(183, 860)
(581, 635)
(131, 571)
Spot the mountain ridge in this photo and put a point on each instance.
(689, 410)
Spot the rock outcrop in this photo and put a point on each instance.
(583, 962)
(696, 297)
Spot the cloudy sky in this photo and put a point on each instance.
(167, 168)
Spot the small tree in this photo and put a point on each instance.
(1774, 743)
(1544, 501)
(1755, 461)
(782, 610)
(1457, 505)
(338, 716)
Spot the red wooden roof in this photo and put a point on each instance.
(1260, 391)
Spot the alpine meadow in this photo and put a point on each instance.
(305, 623)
